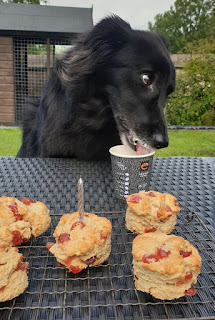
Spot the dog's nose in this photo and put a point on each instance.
(161, 141)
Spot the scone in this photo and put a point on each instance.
(13, 272)
(81, 244)
(20, 219)
(151, 211)
(165, 266)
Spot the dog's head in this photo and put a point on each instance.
(139, 75)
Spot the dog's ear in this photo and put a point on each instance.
(109, 35)
(93, 49)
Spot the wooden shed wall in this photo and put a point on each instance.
(7, 114)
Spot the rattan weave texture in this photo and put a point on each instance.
(107, 291)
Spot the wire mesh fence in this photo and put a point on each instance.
(33, 61)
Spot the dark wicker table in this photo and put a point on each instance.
(107, 291)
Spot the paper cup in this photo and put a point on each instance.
(131, 173)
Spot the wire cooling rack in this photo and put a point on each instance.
(108, 291)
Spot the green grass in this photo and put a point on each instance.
(181, 143)
(189, 143)
(10, 141)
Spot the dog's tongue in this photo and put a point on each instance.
(139, 149)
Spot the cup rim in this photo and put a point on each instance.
(129, 156)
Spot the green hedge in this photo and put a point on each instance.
(193, 102)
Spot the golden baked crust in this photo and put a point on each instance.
(13, 275)
(81, 244)
(164, 265)
(150, 211)
(158, 205)
(20, 219)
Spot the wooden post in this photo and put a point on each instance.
(6, 80)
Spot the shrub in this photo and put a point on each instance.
(193, 102)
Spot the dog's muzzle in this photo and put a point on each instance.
(129, 138)
(160, 141)
(139, 146)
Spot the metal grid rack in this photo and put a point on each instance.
(107, 291)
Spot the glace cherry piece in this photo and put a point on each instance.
(63, 237)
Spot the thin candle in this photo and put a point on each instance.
(81, 199)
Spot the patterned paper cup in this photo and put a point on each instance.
(131, 173)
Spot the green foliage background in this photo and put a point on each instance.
(186, 21)
(189, 27)
(193, 102)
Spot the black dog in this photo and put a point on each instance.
(111, 87)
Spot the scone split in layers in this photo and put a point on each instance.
(166, 266)
(21, 219)
(80, 244)
(151, 211)
(13, 272)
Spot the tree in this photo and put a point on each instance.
(193, 102)
(186, 21)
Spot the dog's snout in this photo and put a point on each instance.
(161, 141)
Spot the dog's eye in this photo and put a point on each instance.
(147, 79)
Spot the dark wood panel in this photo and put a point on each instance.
(6, 80)
(6, 95)
(6, 49)
(6, 87)
(7, 118)
(6, 57)
(6, 40)
(7, 110)
(6, 64)
(6, 72)
(6, 102)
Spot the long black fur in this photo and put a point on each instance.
(96, 94)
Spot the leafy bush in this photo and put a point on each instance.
(193, 102)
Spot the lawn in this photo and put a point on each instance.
(10, 141)
(193, 143)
